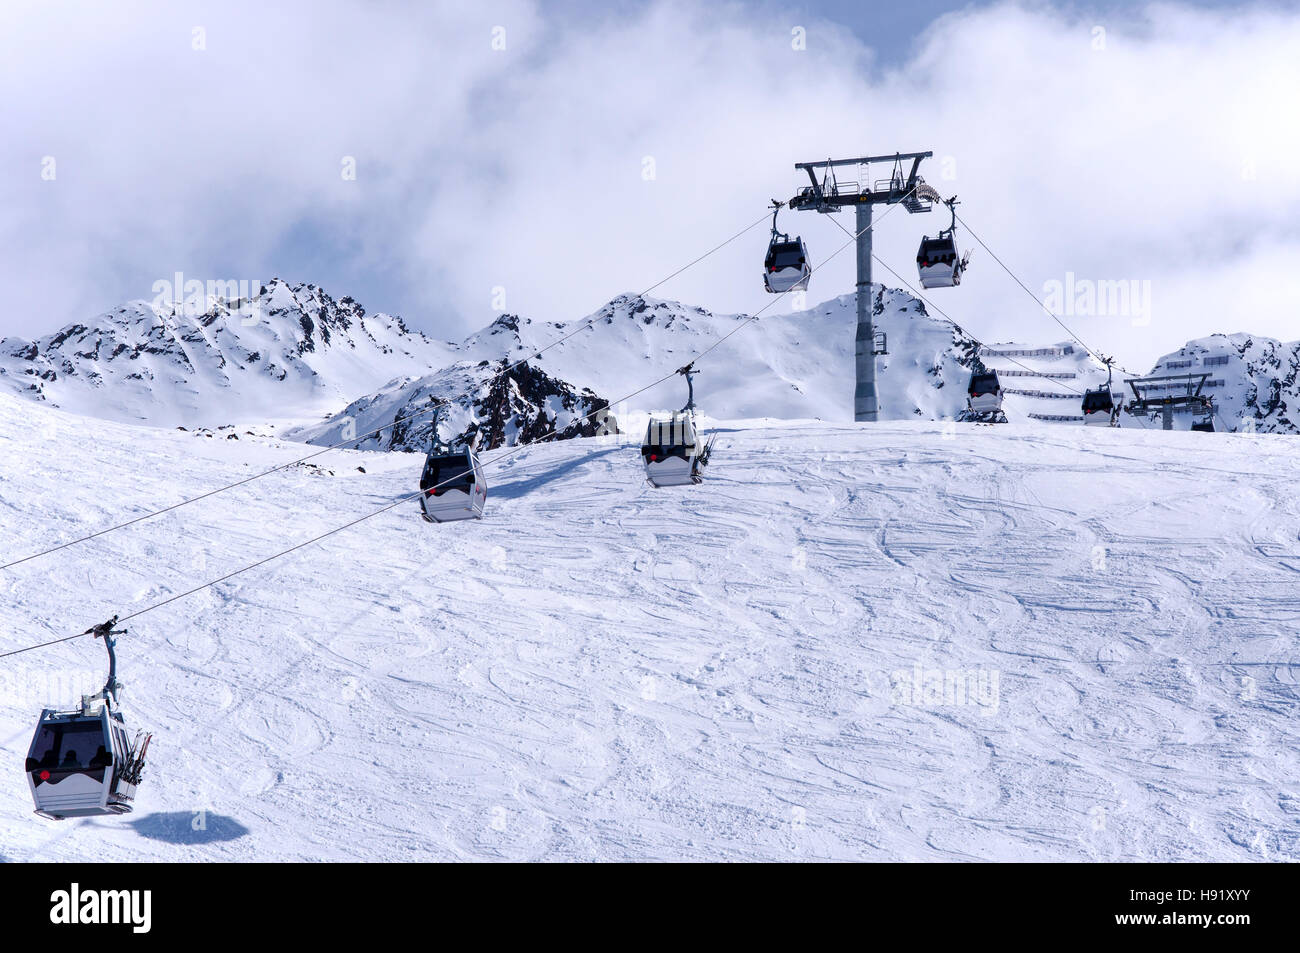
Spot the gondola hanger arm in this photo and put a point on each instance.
(104, 629)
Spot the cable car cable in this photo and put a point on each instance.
(257, 476)
(853, 237)
(965, 331)
(361, 519)
(1044, 307)
(1035, 297)
(1037, 300)
(316, 539)
(917, 294)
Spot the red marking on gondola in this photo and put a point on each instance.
(45, 775)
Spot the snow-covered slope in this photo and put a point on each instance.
(289, 352)
(908, 641)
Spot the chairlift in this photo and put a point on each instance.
(452, 484)
(786, 267)
(938, 263)
(672, 452)
(82, 763)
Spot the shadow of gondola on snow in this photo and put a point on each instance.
(189, 827)
(522, 487)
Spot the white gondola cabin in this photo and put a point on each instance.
(984, 395)
(938, 262)
(83, 763)
(452, 487)
(1099, 408)
(672, 452)
(786, 266)
(80, 764)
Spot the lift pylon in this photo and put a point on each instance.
(1146, 402)
(829, 194)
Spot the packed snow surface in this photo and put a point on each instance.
(904, 641)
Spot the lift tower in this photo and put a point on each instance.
(1177, 391)
(830, 195)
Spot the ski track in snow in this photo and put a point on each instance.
(599, 670)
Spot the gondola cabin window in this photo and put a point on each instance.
(72, 745)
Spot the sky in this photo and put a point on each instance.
(445, 162)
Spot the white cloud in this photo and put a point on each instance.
(523, 168)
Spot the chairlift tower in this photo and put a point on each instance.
(1146, 402)
(828, 195)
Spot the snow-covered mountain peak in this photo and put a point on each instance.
(290, 352)
(1254, 381)
(648, 311)
(286, 351)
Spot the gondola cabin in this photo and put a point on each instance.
(938, 264)
(985, 393)
(82, 764)
(1098, 408)
(452, 487)
(671, 451)
(786, 266)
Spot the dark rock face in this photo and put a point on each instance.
(1272, 371)
(483, 408)
(521, 403)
